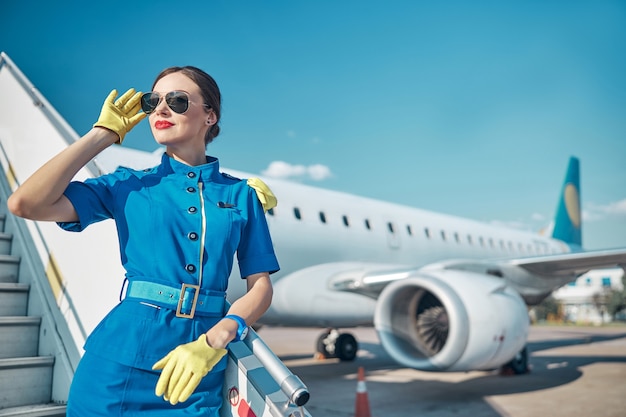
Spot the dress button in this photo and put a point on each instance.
(191, 190)
(192, 236)
(191, 175)
(190, 268)
(192, 209)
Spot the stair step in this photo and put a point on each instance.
(6, 240)
(39, 410)
(20, 337)
(25, 381)
(9, 268)
(13, 299)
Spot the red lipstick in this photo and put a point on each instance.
(162, 124)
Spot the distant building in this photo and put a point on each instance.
(584, 300)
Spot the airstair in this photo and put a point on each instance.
(29, 342)
(46, 305)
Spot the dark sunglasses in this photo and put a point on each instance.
(178, 101)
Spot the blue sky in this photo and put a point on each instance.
(470, 108)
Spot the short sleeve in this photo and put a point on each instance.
(91, 200)
(256, 251)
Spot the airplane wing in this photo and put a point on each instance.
(573, 263)
(370, 279)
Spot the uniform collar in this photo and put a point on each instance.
(208, 172)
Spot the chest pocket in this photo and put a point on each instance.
(223, 218)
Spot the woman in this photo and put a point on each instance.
(179, 225)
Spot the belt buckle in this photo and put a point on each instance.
(182, 298)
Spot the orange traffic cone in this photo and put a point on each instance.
(362, 404)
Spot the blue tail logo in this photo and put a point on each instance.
(568, 220)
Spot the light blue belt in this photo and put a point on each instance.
(187, 300)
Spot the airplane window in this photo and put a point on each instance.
(345, 221)
(270, 212)
(443, 235)
(427, 232)
(469, 239)
(481, 241)
(367, 224)
(456, 237)
(322, 217)
(296, 212)
(491, 242)
(408, 230)
(390, 227)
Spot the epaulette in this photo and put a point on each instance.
(263, 193)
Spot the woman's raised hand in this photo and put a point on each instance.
(121, 115)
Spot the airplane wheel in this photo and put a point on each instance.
(519, 364)
(346, 347)
(323, 345)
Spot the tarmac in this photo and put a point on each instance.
(575, 371)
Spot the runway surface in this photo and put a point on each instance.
(575, 371)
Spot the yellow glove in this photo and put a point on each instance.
(184, 367)
(263, 192)
(121, 115)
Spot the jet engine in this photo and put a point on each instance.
(451, 320)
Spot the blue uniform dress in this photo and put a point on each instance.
(163, 215)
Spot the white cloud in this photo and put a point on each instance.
(592, 215)
(281, 169)
(319, 172)
(538, 217)
(619, 208)
(599, 212)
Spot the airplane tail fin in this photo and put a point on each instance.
(568, 220)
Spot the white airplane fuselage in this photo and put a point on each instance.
(313, 226)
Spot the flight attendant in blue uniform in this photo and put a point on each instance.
(160, 351)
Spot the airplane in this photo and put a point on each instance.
(444, 293)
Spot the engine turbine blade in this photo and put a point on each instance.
(432, 327)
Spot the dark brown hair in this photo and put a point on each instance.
(209, 90)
